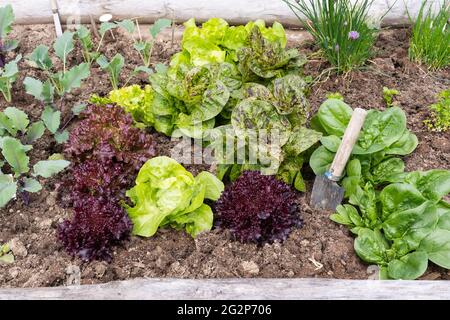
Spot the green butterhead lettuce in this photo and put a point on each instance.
(135, 100)
(167, 194)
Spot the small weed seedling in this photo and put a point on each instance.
(440, 113)
(17, 136)
(388, 96)
(430, 40)
(6, 255)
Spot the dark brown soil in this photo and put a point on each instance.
(320, 249)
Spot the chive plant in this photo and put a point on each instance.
(430, 40)
(342, 29)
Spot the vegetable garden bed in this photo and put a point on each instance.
(320, 249)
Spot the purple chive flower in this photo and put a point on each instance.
(336, 48)
(353, 35)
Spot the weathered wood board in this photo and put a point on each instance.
(241, 289)
(235, 11)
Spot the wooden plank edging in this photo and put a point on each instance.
(235, 11)
(240, 289)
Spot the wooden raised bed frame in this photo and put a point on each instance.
(235, 11)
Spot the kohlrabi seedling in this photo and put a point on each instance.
(113, 67)
(90, 51)
(6, 21)
(17, 136)
(143, 47)
(8, 71)
(58, 82)
(8, 75)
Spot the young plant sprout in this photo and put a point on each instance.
(6, 21)
(59, 82)
(8, 70)
(143, 47)
(17, 136)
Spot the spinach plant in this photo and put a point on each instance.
(404, 225)
(400, 219)
(384, 137)
(17, 136)
(58, 82)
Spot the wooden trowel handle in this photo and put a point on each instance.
(348, 141)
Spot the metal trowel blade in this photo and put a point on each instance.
(326, 194)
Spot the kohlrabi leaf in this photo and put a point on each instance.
(142, 69)
(6, 20)
(35, 132)
(128, 25)
(41, 91)
(64, 45)
(8, 189)
(105, 27)
(14, 153)
(76, 110)
(19, 119)
(84, 35)
(158, 26)
(51, 119)
(114, 67)
(161, 68)
(72, 78)
(62, 137)
(31, 185)
(7, 124)
(34, 87)
(41, 58)
(48, 168)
